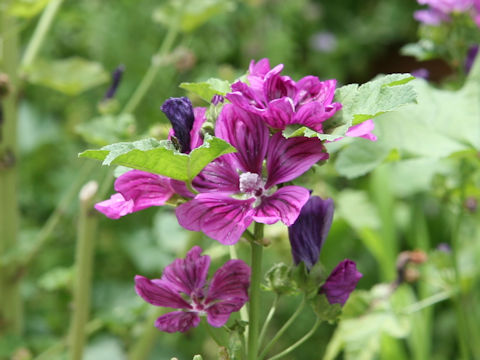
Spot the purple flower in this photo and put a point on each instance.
(439, 10)
(183, 286)
(280, 101)
(324, 41)
(116, 78)
(470, 59)
(421, 73)
(180, 113)
(309, 231)
(233, 189)
(341, 282)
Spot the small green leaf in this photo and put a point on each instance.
(70, 76)
(279, 280)
(26, 8)
(160, 157)
(298, 130)
(324, 310)
(207, 89)
(107, 129)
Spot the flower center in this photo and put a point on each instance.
(251, 183)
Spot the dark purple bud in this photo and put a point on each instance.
(180, 113)
(309, 231)
(217, 99)
(421, 73)
(341, 282)
(116, 78)
(470, 59)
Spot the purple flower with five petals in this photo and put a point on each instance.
(280, 101)
(233, 189)
(341, 282)
(184, 286)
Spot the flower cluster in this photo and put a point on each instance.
(440, 10)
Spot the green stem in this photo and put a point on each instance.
(87, 223)
(272, 311)
(152, 71)
(254, 306)
(40, 32)
(299, 342)
(143, 347)
(10, 300)
(284, 328)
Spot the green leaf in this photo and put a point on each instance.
(279, 280)
(324, 310)
(107, 129)
(383, 94)
(207, 89)
(298, 130)
(189, 15)
(160, 157)
(26, 8)
(70, 76)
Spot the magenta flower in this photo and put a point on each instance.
(234, 190)
(183, 286)
(310, 230)
(280, 101)
(341, 282)
(137, 190)
(439, 10)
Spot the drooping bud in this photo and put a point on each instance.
(180, 113)
(310, 230)
(116, 78)
(341, 282)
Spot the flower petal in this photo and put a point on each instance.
(280, 113)
(219, 313)
(217, 215)
(180, 113)
(159, 292)
(309, 231)
(285, 205)
(277, 86)
(247, 133)
(310, 88)
(115, 207)
(341, 282)
(195, 134)
(363, 130)
(189, 274)
(144, 189)
(177, 321)
(287, 159)
(218, 176)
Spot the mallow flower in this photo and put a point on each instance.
(235, 190)
(308, 233)
(184, 286)
(136, 189)
(439, 10)
(341, 282)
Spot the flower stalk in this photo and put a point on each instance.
(10, 300)
(87, 224)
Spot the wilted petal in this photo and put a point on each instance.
(341, 282)
(247, 133)
(177, 321)
(115, 207)
(363, 130)
(159, 292)
(189, 274)
(285, 205)
(144, 189)
(310, 230)
(287, 159)
(217, 215)
(180, 113)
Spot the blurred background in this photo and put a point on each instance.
(401, 200)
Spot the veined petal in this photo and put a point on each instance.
(217, 215)
(285, 205)
(189, 274)
(159, 292)
(230, 282)
(363, 130)
(247, 98)
(177, 321)
(287, 159)
(195, 134)
(180, 113)
(247, 133)
(277, 86)
(218, 176)
(310, 88)
(309, 231)
(219, 313)
(280, 113)
(115, 207)
(144, 189)
(341, 282)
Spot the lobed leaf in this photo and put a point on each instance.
(207, 89)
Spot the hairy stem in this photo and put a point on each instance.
(284, 328)
(299, 342)
(10, 300)
(40, 32)
(87, 223)
(254, 306)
